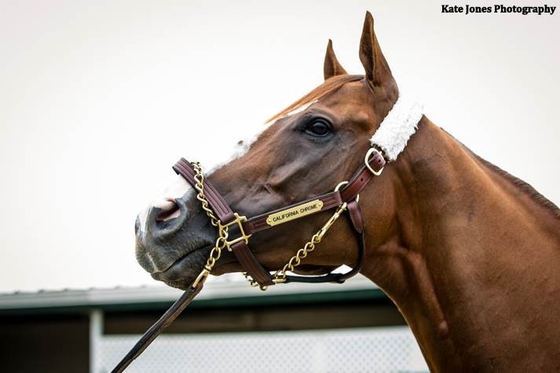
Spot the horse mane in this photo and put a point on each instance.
(330, 85)
(523, 186)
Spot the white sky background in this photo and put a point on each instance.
(99, 99)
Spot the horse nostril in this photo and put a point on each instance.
(167, 211)
(168, 215)
(163, 217)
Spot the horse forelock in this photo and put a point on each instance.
(329, 86)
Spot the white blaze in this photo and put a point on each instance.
(244, 145)
(166, 200)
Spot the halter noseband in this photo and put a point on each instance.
(242, 228)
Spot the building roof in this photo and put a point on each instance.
(215, 293)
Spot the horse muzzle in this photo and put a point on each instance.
(173, 240)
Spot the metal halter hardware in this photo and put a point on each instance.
(344, 198)
(222, 242)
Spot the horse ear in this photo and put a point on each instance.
(376, 67)
(331, 66)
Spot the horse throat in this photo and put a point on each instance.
(464, 244)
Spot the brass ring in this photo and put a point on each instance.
(340, 185)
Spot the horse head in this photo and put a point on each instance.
(305, 150)
(464, 249)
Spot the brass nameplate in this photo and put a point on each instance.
(294, 212)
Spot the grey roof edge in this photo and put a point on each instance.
(118, 296)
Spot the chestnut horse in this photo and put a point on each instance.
(468, 253)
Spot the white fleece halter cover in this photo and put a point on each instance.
(397, 127)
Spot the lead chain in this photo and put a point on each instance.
(281, 275)
(221, 241)
(199, 186)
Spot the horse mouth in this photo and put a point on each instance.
(184, 270)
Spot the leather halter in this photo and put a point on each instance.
(391, 137)
(373, 165)
(243, 228)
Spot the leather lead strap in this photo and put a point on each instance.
(245, 256)
(164, 321)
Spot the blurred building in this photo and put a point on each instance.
(230, 327)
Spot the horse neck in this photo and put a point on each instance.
(466, 245)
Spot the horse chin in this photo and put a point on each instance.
(185, 270)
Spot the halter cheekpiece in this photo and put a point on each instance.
(235, 231)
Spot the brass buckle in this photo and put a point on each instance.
(368, 157)
(239, 220)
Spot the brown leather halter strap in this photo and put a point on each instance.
(258, 223)
(372, 166)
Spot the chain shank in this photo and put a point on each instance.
(221, 241)
(280, 276)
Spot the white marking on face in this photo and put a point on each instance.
(243, 146)
(166, 200)
(239, 150)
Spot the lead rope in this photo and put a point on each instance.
(175, 310)
(221, 242)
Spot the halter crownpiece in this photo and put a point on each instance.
(397, 127)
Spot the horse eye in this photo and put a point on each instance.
(318, 128)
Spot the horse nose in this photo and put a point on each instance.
(160, 219)
(167, 212)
